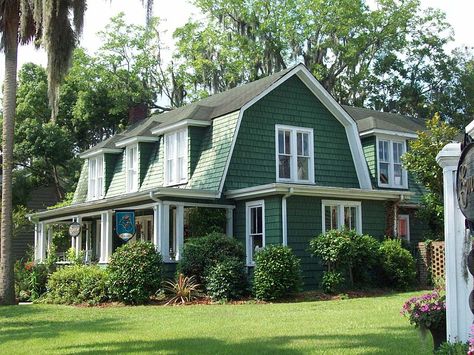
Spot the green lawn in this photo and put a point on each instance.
(356, 326)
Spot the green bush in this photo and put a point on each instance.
(277, 273)
(397, 265)
(347, 252)
(332, 282)
(457, 348)
(201, 253)
(227, 280)
(77, 284)
(135, 272)
(30, 280)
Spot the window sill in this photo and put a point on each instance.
(398, 187)
(303, 182)
(177, 184)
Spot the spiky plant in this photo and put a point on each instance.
(182, 290)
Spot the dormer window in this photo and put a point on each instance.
(132, 168)
(390, 169)
(176, 157)
(96, 178)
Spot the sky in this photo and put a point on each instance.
(175, 14)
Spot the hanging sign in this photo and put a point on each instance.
(465, 182)
(74, 229)
(125, 224)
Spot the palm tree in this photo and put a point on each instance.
(47, 22)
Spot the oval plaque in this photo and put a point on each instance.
(465, 182)
(470, 262)
(471, 301)
(74, 229)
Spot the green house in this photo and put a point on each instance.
(277, 161)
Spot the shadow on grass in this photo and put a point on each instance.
(286, 345)
(19, 323)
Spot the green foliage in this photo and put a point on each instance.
(20, 220)
(277, 273)
(184, 289)
(201, 253)
(227, 280)
(456, 348)
(347, 252)
(203, 221)
(75, 258)
(66, 201)
(135, 272)
(431, 213)
(77, 284)
(397, 265)
(420, 159)
(332, 281)
(30, 280)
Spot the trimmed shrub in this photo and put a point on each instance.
(277, 273)
(77, 284)
(201, 253)
(227, 280)
(397, 264)
(456, 348)
(348, 253)
(332, 282)
(135, 272)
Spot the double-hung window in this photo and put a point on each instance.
(341, 215)
(176, 157)
(294, 154)
(255, 215)
(96, 178)
(403, 227)
(132, 168)
(390, 170)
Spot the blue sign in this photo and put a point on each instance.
(125, 224)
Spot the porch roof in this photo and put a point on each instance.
(116, 201)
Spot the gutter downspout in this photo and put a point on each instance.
(284, 223)
(395, 214)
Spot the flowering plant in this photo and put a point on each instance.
(426, 311)
(471, 342)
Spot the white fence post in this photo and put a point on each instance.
(458, 281)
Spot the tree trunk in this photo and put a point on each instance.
(7, 288)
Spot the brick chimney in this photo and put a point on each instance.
(137, 113)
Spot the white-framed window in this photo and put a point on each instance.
(176, 157)
(403, 227)
(255, 228)
(132, 168)
(294, 154)
(341, 214)
(390, 169)
(96, 178)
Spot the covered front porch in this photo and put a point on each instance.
(165, 223)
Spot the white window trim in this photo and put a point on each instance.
(294, 163)
(340, 205)
(407, 218)
(91, 190)
(176, 166)
(391, 162)
(248, 206)
(127, 168)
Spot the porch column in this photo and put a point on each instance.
(157, 225)
(457, 242)
(78, 245)
(106, 237)
(229, 226)
(87, 255)
(49, 241)
(40, 242)
(165, 230)
(179, 230)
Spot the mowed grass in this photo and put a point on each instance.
(354, 326)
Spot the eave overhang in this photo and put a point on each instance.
(376, 131)
(178, 125)
(319, 191)
(97, 152)
(136, 139)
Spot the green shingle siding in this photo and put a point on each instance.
(292, 103)
(273, 226)
(80, 195)
(154, 175)
(370, 152)
(195, 139)
(374, 218)
(117, 185)
(145, 152)
(109, 160)
(215, 148)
